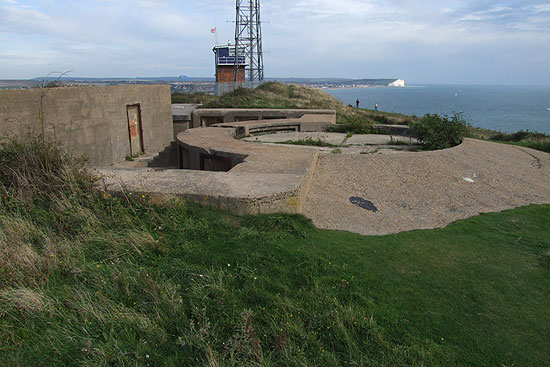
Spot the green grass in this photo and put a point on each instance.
(528, 139)
(533, 144)
(267, 95)
(88, 279)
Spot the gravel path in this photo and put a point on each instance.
(427, 189)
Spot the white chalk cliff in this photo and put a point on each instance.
(397, 83)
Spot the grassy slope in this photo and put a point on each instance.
(279, 95)
(87, 279)
(529, 139)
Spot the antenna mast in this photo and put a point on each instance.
(248, 40)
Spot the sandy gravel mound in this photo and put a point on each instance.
(382, 194)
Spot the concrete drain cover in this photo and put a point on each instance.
(363, 203)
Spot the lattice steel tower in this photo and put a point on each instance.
(248, 40)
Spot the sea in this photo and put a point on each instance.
(500, 108)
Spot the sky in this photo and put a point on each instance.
(431, 41)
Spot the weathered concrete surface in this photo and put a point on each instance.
(240, 193)
(90, 121)
(256, 159)
(426, 189)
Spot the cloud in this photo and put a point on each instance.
(542, 8)
(14, 19)
(305, 37)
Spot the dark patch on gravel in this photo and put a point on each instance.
(363, 203)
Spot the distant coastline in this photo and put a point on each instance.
(187, 84)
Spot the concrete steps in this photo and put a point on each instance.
(167, 158)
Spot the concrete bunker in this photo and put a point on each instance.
(222, 150)
(196, 158)
(105, 124)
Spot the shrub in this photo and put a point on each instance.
(357, 124)
(543, 146)
(440, 132)
(338, 128)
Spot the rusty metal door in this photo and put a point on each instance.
(135, 129)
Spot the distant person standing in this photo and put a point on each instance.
(376, 106)
(357, 104)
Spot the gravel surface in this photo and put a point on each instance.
(426, 189)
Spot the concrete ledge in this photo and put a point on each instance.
(239, 193)
(308, 122)
(201, 147)
(231, 174)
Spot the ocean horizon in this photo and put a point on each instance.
(505, 108)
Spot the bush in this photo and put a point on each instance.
(440, 132)
(352, 124)
(543, 146)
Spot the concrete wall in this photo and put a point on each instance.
(205, 117)
(182, 115)
(90, 120)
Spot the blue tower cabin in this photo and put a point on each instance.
(225, 64)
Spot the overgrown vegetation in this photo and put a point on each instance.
(309, 141)
(529, 139)
(440, 132)
(536, 144)
(356, 125)
(88, 279)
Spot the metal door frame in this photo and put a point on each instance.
(140, 127)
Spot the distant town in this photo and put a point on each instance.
(186, 84)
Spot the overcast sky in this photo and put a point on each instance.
(443, 41)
